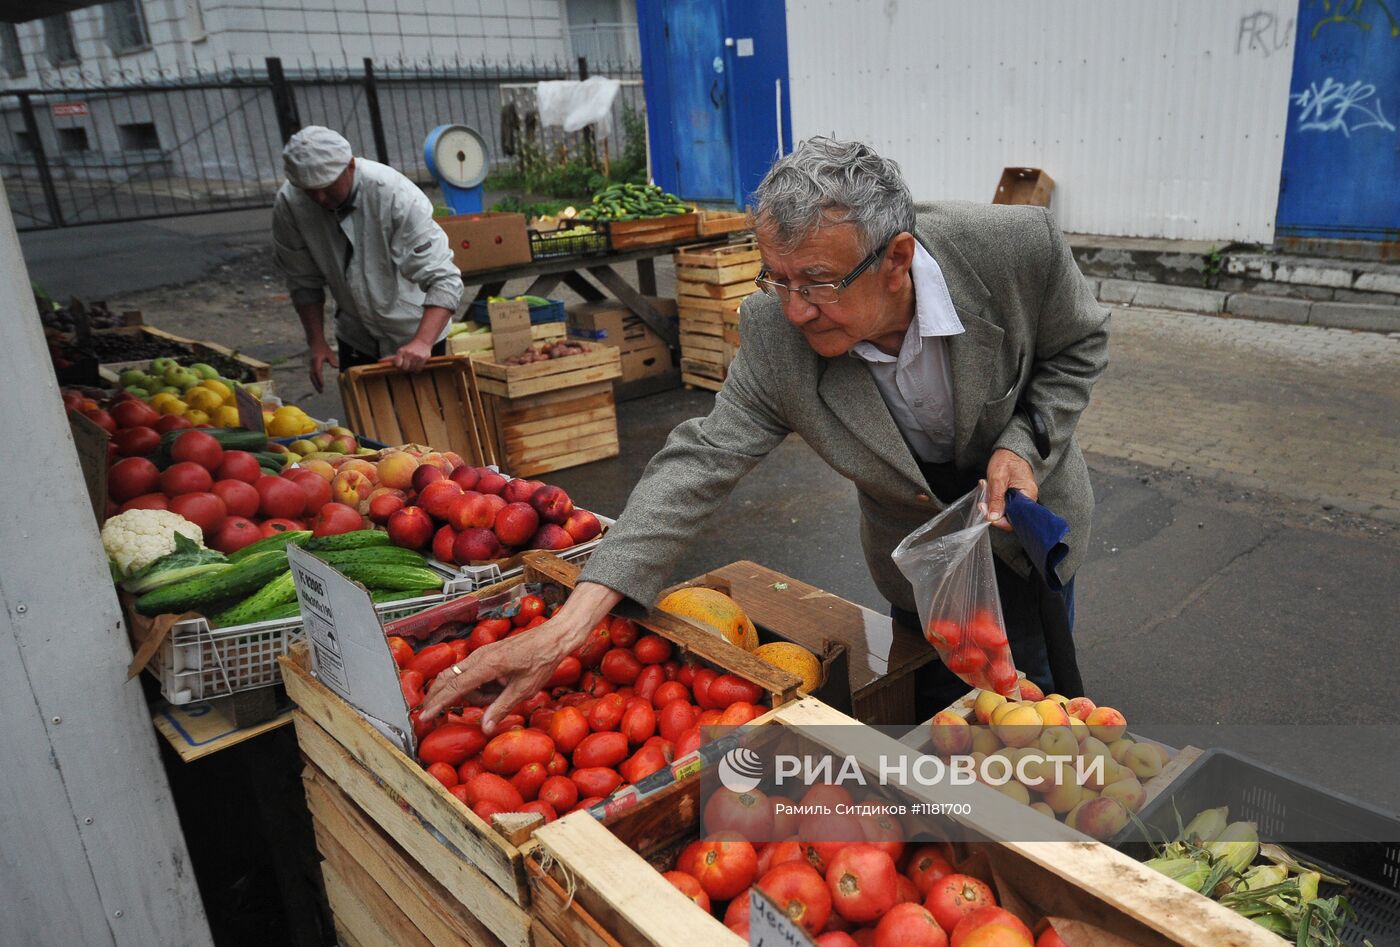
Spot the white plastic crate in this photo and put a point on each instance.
(477, 577)
(197, 662)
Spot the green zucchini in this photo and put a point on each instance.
(246, 577)
(297, 537)
(280, 591)
(359, 539)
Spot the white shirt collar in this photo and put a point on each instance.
(934, 314)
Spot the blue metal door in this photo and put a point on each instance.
(1341, 154)
(699, 88)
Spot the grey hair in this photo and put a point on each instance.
(827, 181)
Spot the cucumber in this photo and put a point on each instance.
(358, 539)
(297, 537)
(246, 577)
(380, 555)
(231, 438)
(378, 576)
(379, 597)
(280, 591)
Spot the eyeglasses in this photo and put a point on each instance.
(818, 294)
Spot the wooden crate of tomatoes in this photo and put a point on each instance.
(451, 823)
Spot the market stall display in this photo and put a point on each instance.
(639, 215)
(712, 281)
(137, 347)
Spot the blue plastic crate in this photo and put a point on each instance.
(539, 315)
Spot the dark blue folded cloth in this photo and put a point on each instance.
(1042, 534)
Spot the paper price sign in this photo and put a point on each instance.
(770, 927)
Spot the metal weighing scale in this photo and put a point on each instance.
(456, 157)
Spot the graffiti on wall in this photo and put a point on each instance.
(1361, 14)
(1334, 106)
(1263, 32)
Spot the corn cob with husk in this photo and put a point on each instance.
(1237, 846)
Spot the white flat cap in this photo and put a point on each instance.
(315, 156)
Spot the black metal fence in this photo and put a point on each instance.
(164, 146)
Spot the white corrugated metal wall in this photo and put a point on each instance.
(1154, 119)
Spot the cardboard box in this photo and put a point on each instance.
(1024, 186)
(486, 241)
(644, 353)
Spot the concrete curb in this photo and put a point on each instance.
(1367, 317)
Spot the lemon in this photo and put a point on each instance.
(173, 406)
(219, 388)
(202, 399)
(161, 398)
(284, 426)
(227, 416)
(308, 427)
(196, 416)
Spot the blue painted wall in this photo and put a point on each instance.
(687, 69)
(1341, 154)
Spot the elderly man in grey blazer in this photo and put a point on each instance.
(898, 345)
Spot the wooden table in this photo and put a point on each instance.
(545, 275)
(882, 655)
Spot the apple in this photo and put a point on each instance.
(410, 527)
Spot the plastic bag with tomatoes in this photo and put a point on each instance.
(948, 561)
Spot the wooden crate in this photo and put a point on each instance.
(652, 231)
(554, 430)
(712, 280)
(440, 406)
(110, 371)
(597, 363)
(715, 223)
(613, 869)
(479, 344)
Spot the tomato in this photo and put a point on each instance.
(596, 645)
(724, 865)
(986, 631)
(1049, 938)
(700, 687)
(1016, 933)
(607, 713)
(433, 660)
(236, 533)
(748, 815)
(736, 916)
(540, 807)
(566, 673)
(411, 684)
(909, 925)
(954, 896)
(279, 497)
(652, 649)
(884, 832)
(488, 787)
(444, 774)
(785, 821)
(675, 718)
(451, 743)
(528, 780)
(560, 792)
(689, 887)
(620, 666)
(685, 674)
(239, 465)
(509, 752)
(927, 864)
(966, 660)
(648, 681)
(156, 501)
(318, 494)
(649, 759)
(568, 728)
(280, 524)
(134, 413)
(623, 631)
(596, 780)
(558, 765)
(778, 853)
(738, 713)
(132, 477)
(197, 447)
(1002, 673)
(689, 742)
(671, 690)
(944, 633)
(530, 607)
(136, 441)
(185, 477)
(460, 650)
(240, 499)
(800, 892)
(638, 723)
(586, 803)
(607, 748)
(102, 419)
(460, 791)
(730, 689)
(836, 939)
(485, 809)
(172, 422)
(401, 650)
(205, 510)
(595, 684)
(861, 879)
(471, 716)
(470, 769)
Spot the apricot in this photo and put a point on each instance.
(1058, 741)
(351, 487)
(1064, 797)
(1100, 818)
(396, 470)
(950, 733)
(1080, 707)
(320, 468)
(1016, 791)
(1020, 726)
(1144, 760)
(1043, 809)
(1107, 724)
(1127, 792)
(1031, 691)
(986, 702)
(1051, 713)
(984, 740)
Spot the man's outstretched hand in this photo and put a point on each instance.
(1005, 470)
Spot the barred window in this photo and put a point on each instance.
(59, 44)
(126, 26)
(11, 57)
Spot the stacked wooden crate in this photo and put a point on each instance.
(712, 280)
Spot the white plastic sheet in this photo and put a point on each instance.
(574, 105)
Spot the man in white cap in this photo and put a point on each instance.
(367, 232)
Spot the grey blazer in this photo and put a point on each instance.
(1031, 326)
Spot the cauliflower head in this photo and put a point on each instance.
(138, 537)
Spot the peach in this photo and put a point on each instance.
(1127, 792)
(495, 502)
(1031, 691)
(443, 541)
(1001, 710)
(516, 523)
(471, 510)
(454, 461)
(1144, 760)
(1015, 791)
(1020, 726)
(1058, 741)
(552, 537)
(1063, 797)
(476, 545)
(1043, 809)
(1100, 818)
(320, 468)
(410, 527)
(1119, 747)
(520, 490)
(384, 506)
(1035, 770)
(984, 740)
(425, 474)
(465, 477)
(490, 481)
(950, 733)
(440, 461)
(1079, 728)
(1107, 724)
(436, 498)
(350, 487)
(360, 466)
(552, 504)
(1080, 707)
(396, 470)
(1051, 713)
(986, 702)
(343, 444)
(582, 525)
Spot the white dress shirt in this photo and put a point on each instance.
(917, 383)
